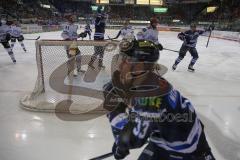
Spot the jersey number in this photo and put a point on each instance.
(141, 129)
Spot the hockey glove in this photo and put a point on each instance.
(160, 47)
(119, 152)
(181, 36)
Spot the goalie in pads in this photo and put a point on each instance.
(70, 34)
(141, 117)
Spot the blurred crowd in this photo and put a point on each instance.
(227, 15)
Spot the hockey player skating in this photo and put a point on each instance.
(88, 30)
(4, 40)
(150, 33)
(100, 23)
(70, 34)
(126, 32)
(16, 34)
(189, 39)
(158, 115)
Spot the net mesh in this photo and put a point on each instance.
(56, 82)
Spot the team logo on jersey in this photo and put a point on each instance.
(147, 101)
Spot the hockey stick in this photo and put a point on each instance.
(209, 38)
(35, 39)
(109, 38)
(102, 156)
(171, 50)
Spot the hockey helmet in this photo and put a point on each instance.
(140, 50)
(154, 22)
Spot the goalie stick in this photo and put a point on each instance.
(102, 156)
(35, 39)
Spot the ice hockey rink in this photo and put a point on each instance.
(214, 90)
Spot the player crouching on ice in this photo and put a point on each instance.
(151, 112)
(5, 38)
(70, 34)
(16, 34)
(189, 39)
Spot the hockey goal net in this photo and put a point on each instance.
(56, 83)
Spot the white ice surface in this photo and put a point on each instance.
(214, 90)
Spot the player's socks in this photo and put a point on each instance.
(12, 45)
(23, 47)
(193, 61)
(178, 60)
(11, 54)
(12, 57)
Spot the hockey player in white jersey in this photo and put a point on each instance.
(16, 34)
(126, 32)
(70, 34)
(150, 33)
(70, 30)
(4, 40)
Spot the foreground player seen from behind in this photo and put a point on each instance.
(189, 39)
(151, 112)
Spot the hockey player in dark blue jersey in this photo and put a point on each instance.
(189, 39)
(149, 111)
(100, 23)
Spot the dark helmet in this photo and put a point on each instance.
(154, 20)
(140, 50)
